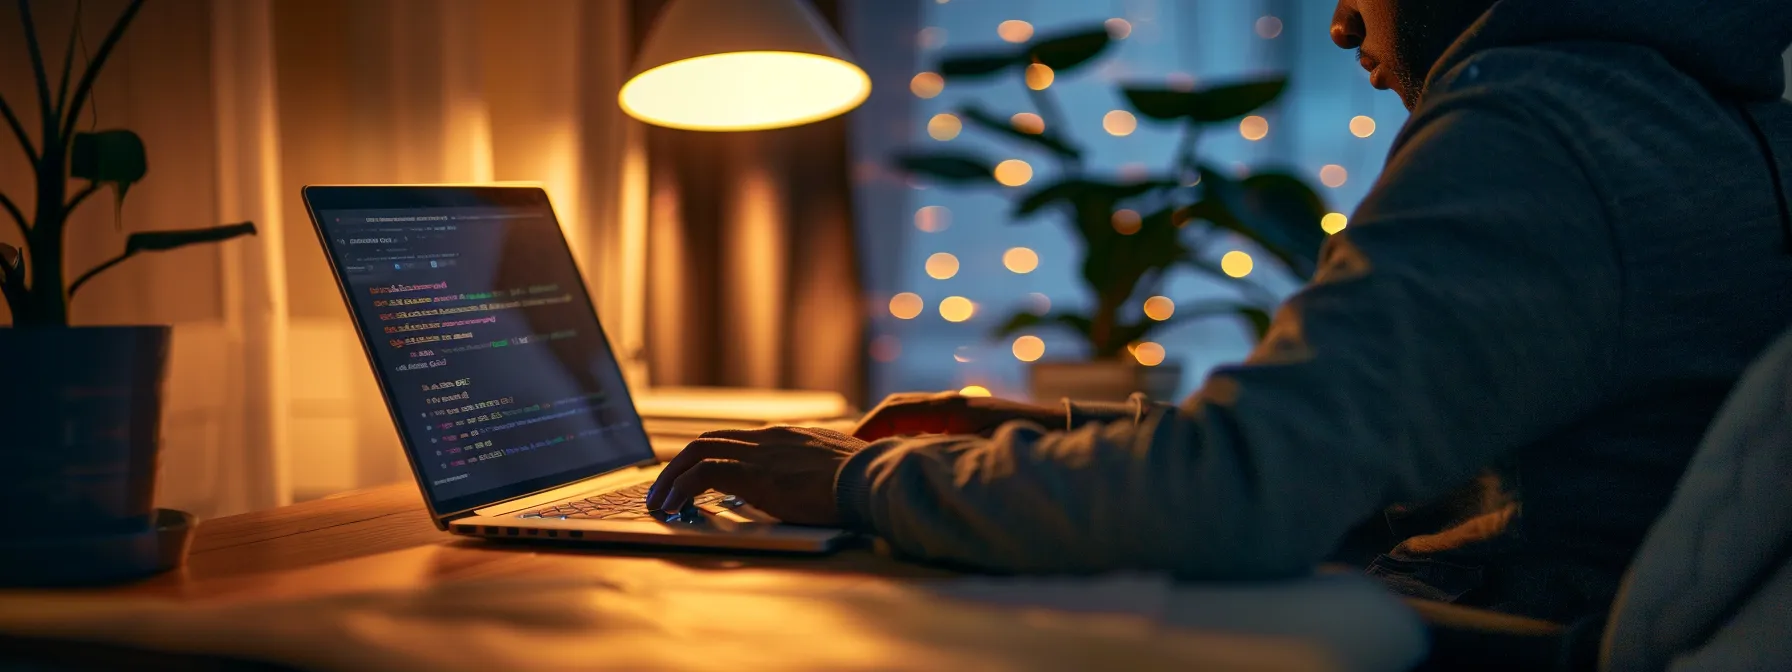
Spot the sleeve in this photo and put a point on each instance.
(1469, 309)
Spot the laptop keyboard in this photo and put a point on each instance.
(624, 504)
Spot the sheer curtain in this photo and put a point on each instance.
(240, 103)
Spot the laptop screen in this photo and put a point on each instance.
(482, 336)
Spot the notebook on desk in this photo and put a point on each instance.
(505, 392)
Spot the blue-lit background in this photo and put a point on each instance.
(1166, 42)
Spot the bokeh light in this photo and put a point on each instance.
(1269, 27)
(1027, 122)
(1334, 222)
(1118, 28)
(1159, 308)
(931, 37)
(1361, 126)
(944, 127)
(1020, 259)
(962, 354)
(933, 218)
(1039, 304)
(1180, 81)
(1014, 172)
(1126, 221)
(1039, 76)
(1148, 353)
(927, 84)
(906, 306)
(1236, 264)
(974, 391)
(957, 309)
(1015, 31)
(1029, 348)
(942, 265)
(1119, 123)
(1253, 128)
(1333, 175)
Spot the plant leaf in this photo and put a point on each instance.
(1046, 140)
(1230, 205)
(1022, 321)
(1283, 208)
(1217, 103)
(948, 167)
(977, 65)
(1098, 194)
(116, 157)
(1065, 52)
(155, 241)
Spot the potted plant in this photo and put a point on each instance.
(79, 406)
(1138, 228)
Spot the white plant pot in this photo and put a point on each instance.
(1106, 380)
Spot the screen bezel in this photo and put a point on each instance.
(324, 198)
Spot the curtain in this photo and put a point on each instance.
(242, 102)
(751, 273)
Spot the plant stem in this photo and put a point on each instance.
(76, 285)
(18, 129)
(1054, 119)
(1184, 159)
(78, 197)
(98, 61)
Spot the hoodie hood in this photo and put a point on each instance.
(1733, 47)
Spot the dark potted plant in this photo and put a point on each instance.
(79, 406)
(1136, 229)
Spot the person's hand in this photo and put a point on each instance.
(787, 472)
(949, 413)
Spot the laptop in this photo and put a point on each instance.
(505, 392)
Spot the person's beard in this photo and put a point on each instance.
(1423, 31)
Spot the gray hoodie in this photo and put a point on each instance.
(1580, 240)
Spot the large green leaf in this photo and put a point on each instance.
(155, 241)
(1081, 324)
(1047, 140)
(1275, 211)
(1114, 263)
(948, 167)
(114, 157)
(979, 64)
(1218, 103)
(1065, 52)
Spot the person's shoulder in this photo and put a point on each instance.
(1575, 78)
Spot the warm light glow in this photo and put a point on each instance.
(1236, 264)
(942, 265)
(1269, 27)
(1029, 348)
(1333, 175)
(1334, 222)
(1148, 353)
(1361, 126)
(1180, 81)
(1119, 123)
(1039, 304)
(1027, 122)
(957, 309)
(1127, 222)
(886, 348)
(1118, 28)
(933, 218)
(943, 127)
(905, 306)
(1253, 128)
(962, 354)
(974, 391)
(1039, 76)
(744, 91)
(1015, 31)
(927, 84)
(1020, 259)
(1159, 308)
(1014, 172)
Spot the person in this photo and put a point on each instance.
(1580, 239)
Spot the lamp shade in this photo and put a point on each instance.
(741, 65)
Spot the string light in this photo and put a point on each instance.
(1039, 304)
(1014, 172)
(1126, 221)
(1119, 123)
(1015, 31)
(1334, 222)
(957, 309)
(927, 85)
(974, 391)
(1361, 126)
(943, 127)
(906, 306)
(1148, 353)
(942, 265)
(1159, 308)
(933, 218)
(1039, 76)
(1118, 28)
(1333, 175)
(1020, 260)
(1253, 128)
(1269, 27)
(886, 348)
(1029, 348)
(1027, 122)
(962, 354)
(1236, 264)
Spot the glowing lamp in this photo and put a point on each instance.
(728, 65)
